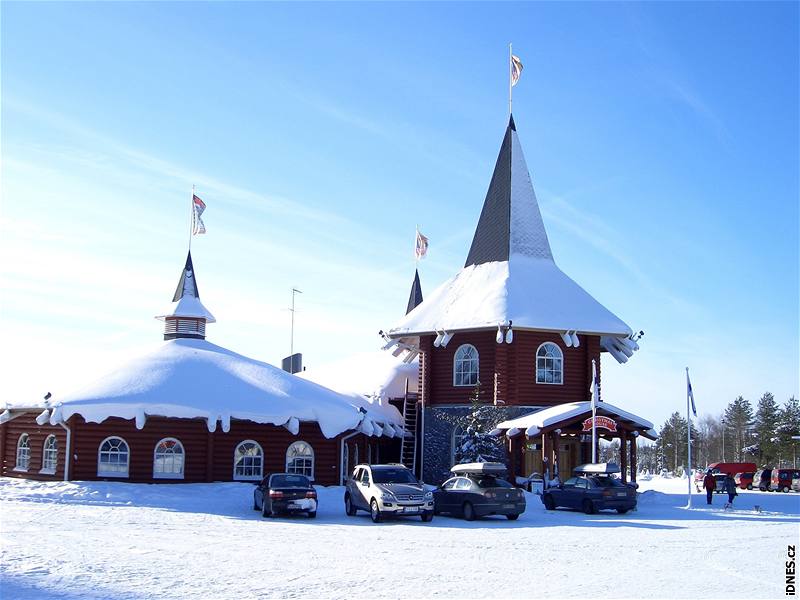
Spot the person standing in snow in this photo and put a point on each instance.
(709, 483)
(730, 487)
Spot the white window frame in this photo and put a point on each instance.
(49, 455)
(546, 358)
(458, 434)
(23, 460)
(257, 477)
(169, 455)
(311, 458)
(100, 452)
(457, 360)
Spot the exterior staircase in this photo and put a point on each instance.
(408, 445)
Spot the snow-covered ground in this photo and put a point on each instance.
(122, 540)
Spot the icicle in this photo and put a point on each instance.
(141, 418)
(509, 335)
(447, 338)
(389, 430)
(56, 416)
(499, 337)
(44, 417)
(567, 339)
(366, 426)
(576, 343)
(225, 421)
(378, 430)
(439, 337)
(211, 424)
(5, 416)
(292, 425)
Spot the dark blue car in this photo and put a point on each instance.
(592, 488)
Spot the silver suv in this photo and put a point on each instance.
(387, 490)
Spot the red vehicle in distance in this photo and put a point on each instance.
(726, 468)
(744, 481)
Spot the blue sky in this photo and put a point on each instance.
(662, 140)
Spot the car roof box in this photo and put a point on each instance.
(487, 468)
(598, 469)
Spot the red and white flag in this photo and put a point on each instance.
(516, 69)
(421, 246)
(198, 206)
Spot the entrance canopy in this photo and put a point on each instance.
(576, 416)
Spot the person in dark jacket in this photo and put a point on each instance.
(730, 487)
(710, 484)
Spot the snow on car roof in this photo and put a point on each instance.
(479, 468)
(598, 468)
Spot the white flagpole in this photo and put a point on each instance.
(594, 411)
(688, 442)
(191, 218)
(510, 76)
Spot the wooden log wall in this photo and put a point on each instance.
(37, 434)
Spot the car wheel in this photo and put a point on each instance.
(374, 511)
(512, 517)
(622, 511)
(349, 508)
(312, 515)
(265, 512)
(255, 503)
(749, 486)
(469, 511)
(549, 504)
(785, 490)
(426, 517)
(588, 507)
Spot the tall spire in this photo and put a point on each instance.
(415, 298)
(510, 222)
(188, 319)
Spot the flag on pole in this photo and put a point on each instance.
(516, 69)
(689, 392)
(421, 246)
(198, 206)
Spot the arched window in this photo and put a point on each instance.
(50, 455)
(300, 459)
(457, 444)
(113, 458)
(465, 365)
(168, 459)
(248, 461)
(549, 364)
(23, 453)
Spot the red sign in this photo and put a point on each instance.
(604, 422)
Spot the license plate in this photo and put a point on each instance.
(292, 505)
(508, 506)
(410, 509)
(621, 494)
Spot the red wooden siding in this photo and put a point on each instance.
(37, 435)
(208, 456)
(508, 371)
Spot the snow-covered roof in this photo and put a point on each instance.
(374, 374)
(532, 423)
(193, 378)
(510, 274)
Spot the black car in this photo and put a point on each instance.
(591, 489)
(283, 493)
(478, 491)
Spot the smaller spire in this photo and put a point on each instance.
(187, 285)
(415, 298)
(189, 317)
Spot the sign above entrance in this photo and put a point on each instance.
(604, 422)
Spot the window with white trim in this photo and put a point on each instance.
(113, 458)
(50, 455)
(23, 453)
(248, 461)
(465, 365)
(300, 459)
(168, 459)
(549, 364)
(458, 438)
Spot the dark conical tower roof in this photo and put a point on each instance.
(510, 221)
(415, 298)
(187, 283)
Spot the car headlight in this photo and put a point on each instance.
(428, 495)
(388, 497)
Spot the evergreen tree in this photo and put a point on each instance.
(738, 419)
(765, 431)
(478, 445)
(671, 444)
(788, 426)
